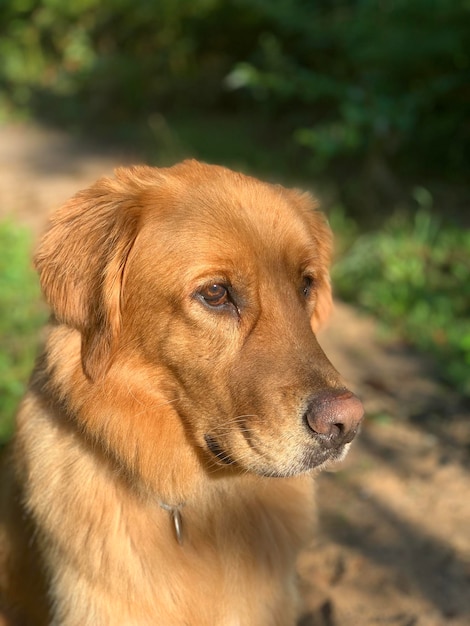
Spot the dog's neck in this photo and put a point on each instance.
(174, 511)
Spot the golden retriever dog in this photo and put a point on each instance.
(161, 469)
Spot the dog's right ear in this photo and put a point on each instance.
(322, 239)
(82, 257)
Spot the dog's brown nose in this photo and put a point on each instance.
(334, 416)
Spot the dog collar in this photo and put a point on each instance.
(174, 511)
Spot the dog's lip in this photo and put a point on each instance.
(305, 465)
(312, 459)
(317, 458)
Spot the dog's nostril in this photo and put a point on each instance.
(331, 435)
(334, 416)
(336, 430)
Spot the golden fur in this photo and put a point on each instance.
(155, 401)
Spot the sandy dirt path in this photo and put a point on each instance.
(393, 544)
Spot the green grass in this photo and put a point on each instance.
(21, 316)
(413, 275)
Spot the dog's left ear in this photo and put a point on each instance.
(81, 262)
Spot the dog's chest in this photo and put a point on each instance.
(233, 563)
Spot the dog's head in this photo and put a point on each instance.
(217, 281)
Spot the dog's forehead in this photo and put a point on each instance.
(228, 224)
(236, 212)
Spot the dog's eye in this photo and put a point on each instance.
(307, 285)
(215, 295)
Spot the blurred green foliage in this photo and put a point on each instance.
(414, 276)
(368, 78)
(21, 317)
(345, 80)
(109, 61)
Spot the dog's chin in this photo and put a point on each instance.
(311, 460)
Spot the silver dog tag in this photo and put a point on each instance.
(178, 524)
(177, 520)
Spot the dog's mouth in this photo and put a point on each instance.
(216, 450)
(312, 458)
